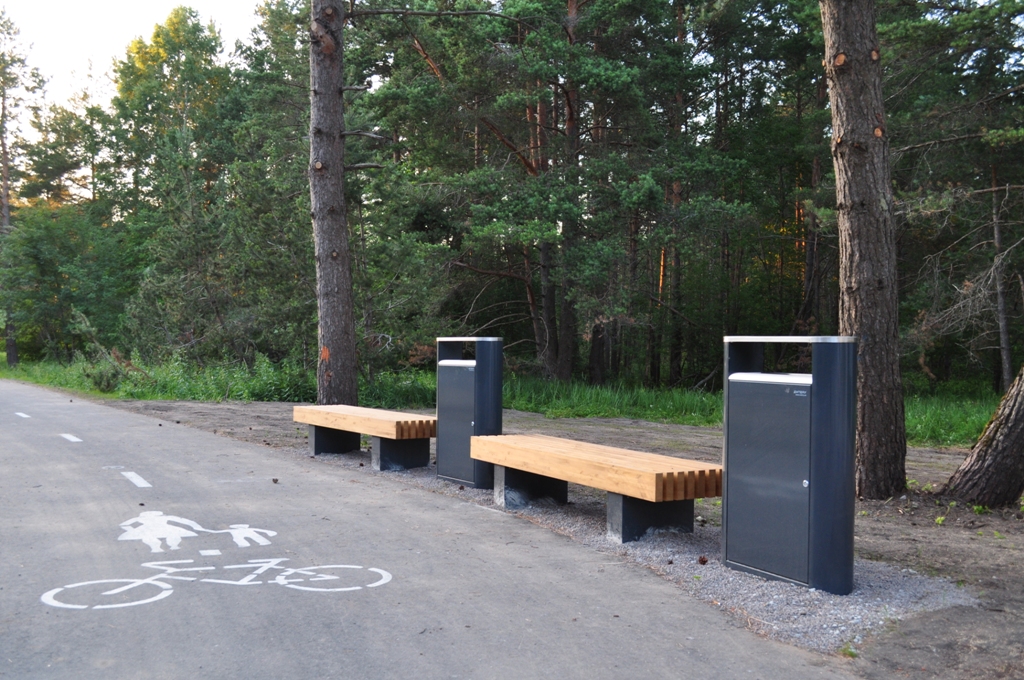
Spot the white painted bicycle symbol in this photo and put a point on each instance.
(129, 592)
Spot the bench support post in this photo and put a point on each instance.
(399, 454)
(327, 440)
(514, 489)
(630, 518)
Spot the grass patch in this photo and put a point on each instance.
(939, 419)
(945, 420)
(180, 380)
(576, 400)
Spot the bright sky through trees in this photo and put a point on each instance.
(62, 37)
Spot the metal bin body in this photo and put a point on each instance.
(789, 478)
(468, 403)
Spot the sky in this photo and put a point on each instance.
(62, 38)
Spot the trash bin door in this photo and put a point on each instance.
(768, 465)
(455, 403)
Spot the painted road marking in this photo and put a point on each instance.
(209, 553)
(22, 415)
(286, 578)
(138, 481)
(71, 437)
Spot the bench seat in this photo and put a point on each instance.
(399, 440)
(644, 489)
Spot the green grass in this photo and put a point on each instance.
(939, 419)
(576, 400)
(177, 379)
(947, 420)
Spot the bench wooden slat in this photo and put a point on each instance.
(635, 483)
(648, 476)
(652, 461)
(691, 479)
(369, 421)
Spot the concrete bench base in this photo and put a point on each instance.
(514, 489)
(388, 455)
(399, 454)
(628, 519)
(328, 440)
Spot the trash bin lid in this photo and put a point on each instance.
(775, 378)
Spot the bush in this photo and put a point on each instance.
(104, 377)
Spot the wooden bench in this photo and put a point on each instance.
(400, 440)
(645, 490)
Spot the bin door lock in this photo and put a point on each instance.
(472, 423)
(806, 484)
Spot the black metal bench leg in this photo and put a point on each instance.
(399, 454)
(630, 518)
(327, 440)
(515, 489)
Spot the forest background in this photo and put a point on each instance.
(611, 199)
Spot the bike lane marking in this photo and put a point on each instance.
(257, 568)
(71, 437)
(137, 480)
(22, 415)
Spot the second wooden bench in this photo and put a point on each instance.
(400, 440)
(645, 490)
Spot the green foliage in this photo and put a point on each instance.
(947, 420)
(58, 260)
(575, 400)
(104, 377)
(610, 192)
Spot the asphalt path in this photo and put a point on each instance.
(421, 584)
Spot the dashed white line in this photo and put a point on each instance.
(136, 480)
(71, 437)
(209, 553)
(22, 415)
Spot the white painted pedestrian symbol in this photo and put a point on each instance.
(154, 527)
(242, 532)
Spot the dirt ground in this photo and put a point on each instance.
(920, 531)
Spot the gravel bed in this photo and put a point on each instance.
(808, 618)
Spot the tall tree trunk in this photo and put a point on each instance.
(5, 170)
(596, 364)
(549, 314)
(10, 343)
(675, 352)
(337, 370)
(567, 333)
(812, 276)
(867, 241)
(993, 473)
(1006, 361)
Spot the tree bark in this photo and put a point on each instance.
(567, 332)
(1006, 360)
(993, 473)
(10, 333)
(548, 352)
(5, 168)
(867, 241)
(597, 355)
(337, 369)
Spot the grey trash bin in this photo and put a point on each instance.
(789, 485)
(468, 403)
